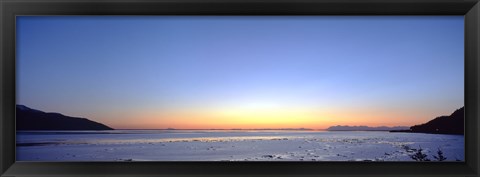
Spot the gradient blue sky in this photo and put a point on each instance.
(242, 72)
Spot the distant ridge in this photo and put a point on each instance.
(364, 128)
(31, 119)
(453, 124)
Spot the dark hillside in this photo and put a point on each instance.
(453, 124)
(31, 119)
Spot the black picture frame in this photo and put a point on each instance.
(12, 8)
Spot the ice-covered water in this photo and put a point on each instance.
(182, 145)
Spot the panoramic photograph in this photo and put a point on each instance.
(240, 88)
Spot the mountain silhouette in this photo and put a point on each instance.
(452, 124)
(31, 119)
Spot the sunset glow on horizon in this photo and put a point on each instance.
(270, 119)
(231, 72)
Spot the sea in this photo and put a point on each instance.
(235, 145)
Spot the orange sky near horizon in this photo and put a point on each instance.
(266, 116)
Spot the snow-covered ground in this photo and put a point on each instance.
(176, 145)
